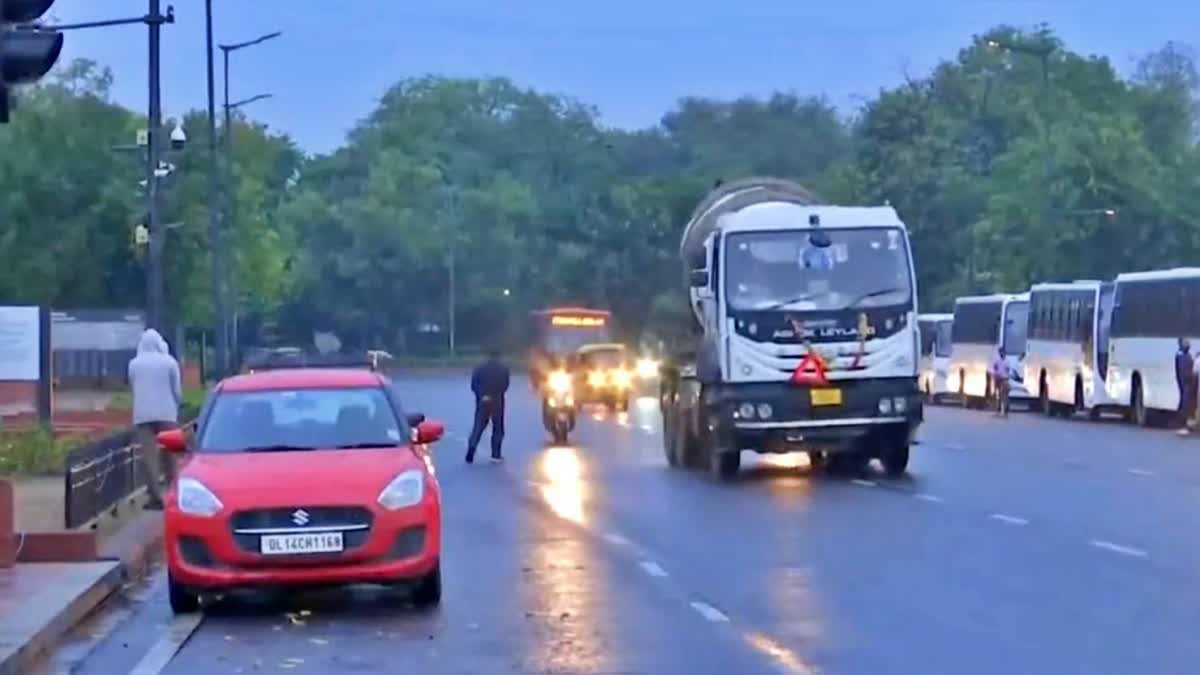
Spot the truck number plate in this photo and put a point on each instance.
(826, 396)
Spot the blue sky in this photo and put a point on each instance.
(632, 59)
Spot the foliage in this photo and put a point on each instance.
(1002, 168)
(34, 452)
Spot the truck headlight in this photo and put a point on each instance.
(622, 379)
(405, 490)
(885, 406)
(559, 382)
(195, 499)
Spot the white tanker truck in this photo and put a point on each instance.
(808, 336)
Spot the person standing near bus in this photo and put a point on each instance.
(1185, 377)
(999, 371)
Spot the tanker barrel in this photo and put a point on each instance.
(733, 196)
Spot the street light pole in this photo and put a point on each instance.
(154, 272)
(220, 331)
(229, 325)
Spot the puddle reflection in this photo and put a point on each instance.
(562, 485)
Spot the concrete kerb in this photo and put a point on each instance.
(131, 551)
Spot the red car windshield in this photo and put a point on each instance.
(302, 419)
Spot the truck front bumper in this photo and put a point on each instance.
(795, 422)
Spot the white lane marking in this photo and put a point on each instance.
(1141, 472)
(864, 483)
(709, 612)
(1117, 548)
(653, 569)
(1007, 519)
(156, 660)
(614, 538)
(928, 498)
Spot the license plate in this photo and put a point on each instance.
(826, 396)
(300, 544)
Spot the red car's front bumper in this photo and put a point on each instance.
(216, 553)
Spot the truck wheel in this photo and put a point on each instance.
(895, 460)
(725, 465)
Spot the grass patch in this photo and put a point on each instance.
(34, 452)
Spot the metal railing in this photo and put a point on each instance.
(100, 474)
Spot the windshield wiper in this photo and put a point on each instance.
(784, 303)
(872, 294)
(278, 448)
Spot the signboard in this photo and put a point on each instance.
(96, 330)
(20, 354)
(577, 321)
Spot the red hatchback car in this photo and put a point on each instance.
(303, 477)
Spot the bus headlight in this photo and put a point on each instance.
(765, 411)
(622, 379)
(885, 406)
(596, 379)
(746, 411)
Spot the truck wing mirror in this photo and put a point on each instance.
(698, 278)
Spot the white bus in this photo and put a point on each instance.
(935, 354)
(1066, 359)
(981, 325)
(1151, 311)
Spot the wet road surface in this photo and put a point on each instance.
(1023, 545)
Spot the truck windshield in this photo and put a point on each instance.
(865, 267)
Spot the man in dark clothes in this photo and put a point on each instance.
(489, 382)
(1185, 377)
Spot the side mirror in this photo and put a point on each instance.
(698, 278)
(415, 420)
(430, 432)
(173, 441)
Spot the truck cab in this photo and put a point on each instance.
(809, 338)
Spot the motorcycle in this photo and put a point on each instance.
(558, 406)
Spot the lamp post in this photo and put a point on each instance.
(228, 326)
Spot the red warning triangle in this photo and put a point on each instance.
(811, 370)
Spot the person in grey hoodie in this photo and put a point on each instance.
(157, 393)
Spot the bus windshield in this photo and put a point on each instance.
(942, 342)
(783, 270)
(1016, 320)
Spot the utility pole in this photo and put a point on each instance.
(220, 330)
(154, 273)
(452, 222)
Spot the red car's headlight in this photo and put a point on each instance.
(404, 491)
(195, 499)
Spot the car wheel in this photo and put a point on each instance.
(183, 601)
(428, 592)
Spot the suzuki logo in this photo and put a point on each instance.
(300, 517)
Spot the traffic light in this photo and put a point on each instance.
(26, 53)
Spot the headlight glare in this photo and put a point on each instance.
(407, 489)
(195, 499)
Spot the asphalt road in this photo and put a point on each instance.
(1022, 545)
